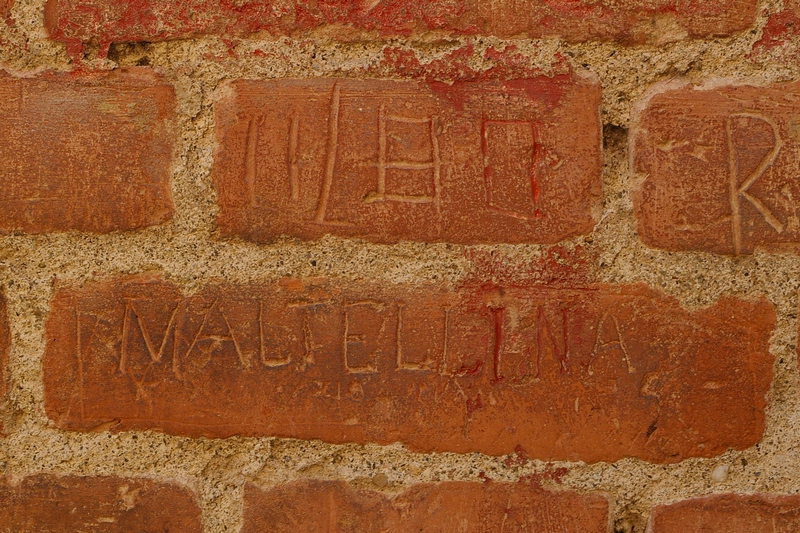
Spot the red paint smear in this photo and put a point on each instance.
(449, 76)
(548, 474)
(519, 458)
(780, 27)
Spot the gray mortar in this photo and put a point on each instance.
(189, 252)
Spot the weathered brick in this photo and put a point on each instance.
(321, 506)
(47, 503)
(589, 373)
(88, 152)
(473, 162)
(729, 513)
(719, 166)
(76, 22)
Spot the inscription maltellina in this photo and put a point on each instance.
(591, 373)
(472, 162)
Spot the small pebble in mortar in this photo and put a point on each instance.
(720, 473)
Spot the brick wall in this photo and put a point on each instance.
(522, 265)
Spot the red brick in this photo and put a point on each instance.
(719, 167)
(473, 162)
(80, 21)
(323, 506)
(729, 513)
(591, 373)
(46, 503)
(88, 152)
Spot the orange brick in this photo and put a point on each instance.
(591, 373)
(473, 162)
(719, 165)
(52, 503)
(323, 506)
(76, 22)
(88, 152)
(729, 513)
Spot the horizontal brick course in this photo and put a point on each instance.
(88, 152)
(719, 166)
(473, 162)
(81, 21)
(47, 503)
(591, 373)
(453, 507)
(729, 513)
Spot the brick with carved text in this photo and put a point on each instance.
(452, 507)
(729, 513)
(77, 22)
(473, 162)
(591, 373)
(88, 152)
(718, 165)
(49, 503)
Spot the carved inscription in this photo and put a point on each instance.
(82, 181)
(101, 21)
(719, 168)
(468, 369)
(390, 161)
(451, 507)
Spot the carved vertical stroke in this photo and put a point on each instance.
(330, 163)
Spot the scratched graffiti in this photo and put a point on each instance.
(719, 169)
(389, 161)
(474, 368)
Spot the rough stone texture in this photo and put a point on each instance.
(473, 162)
(719, 166)
(80, 21)
(52, 504)
(324, 506)
(729, 513)
(5, 346)
(592, 373)
(88, 152)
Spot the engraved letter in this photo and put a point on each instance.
(434, 163)
(599, 344)
(736, 190)
(330, 163)
(155, 355)
(280, 341)
(543, 326)
(404, 365)
(369, 335)
(511, 185)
